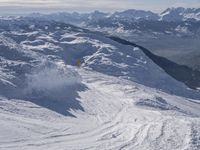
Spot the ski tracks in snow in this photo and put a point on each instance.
(112, 121)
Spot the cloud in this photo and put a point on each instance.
(90, 5)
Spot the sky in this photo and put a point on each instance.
(48, 6)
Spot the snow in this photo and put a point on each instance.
(117, 99)
(110, 120)
(195, 16)
(180, 14)
(48, 78)
(181, 29)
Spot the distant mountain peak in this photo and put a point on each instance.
(170, 14)
(136, 14)
(180, 14)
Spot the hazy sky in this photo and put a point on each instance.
(24, 6)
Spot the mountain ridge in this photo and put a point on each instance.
(175, 13)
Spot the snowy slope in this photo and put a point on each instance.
(117, 99)
(47, 41)
(117, 114)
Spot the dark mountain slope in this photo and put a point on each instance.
(181, 73)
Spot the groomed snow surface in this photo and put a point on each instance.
(113, 114)
(118, 99)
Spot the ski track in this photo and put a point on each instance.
(128, 127)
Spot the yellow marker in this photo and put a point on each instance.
(78, 63)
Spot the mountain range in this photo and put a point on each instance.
(173, 33)
(170, 14)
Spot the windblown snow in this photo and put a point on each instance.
(117, 99)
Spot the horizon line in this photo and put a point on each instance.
(52, 11)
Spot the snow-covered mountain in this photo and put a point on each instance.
(175, 34)
(72, 18)
(175, 40)
(181, 14)
(117, 99)
(52, 38)
(96, 15)
(178, 22)
(170, 14)
(135, 15)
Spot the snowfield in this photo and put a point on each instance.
(118, 99)
(117, 114)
